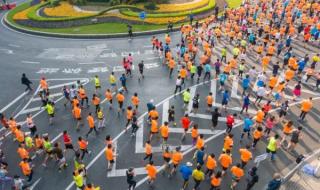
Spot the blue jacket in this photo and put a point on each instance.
(186, 171)
(274, 184)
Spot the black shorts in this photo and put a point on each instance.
(175, 165)
(51, 115)
(97, 87)
(68, 146)
(165, 138)
(120, 104)
(79, 119)
(209, 105)
(153, 132)
(269, 151)
(224, 169)
(171, 119)
(111, 161)
(166, 159)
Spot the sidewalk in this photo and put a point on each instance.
(303, 181)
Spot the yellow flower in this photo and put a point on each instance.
(65, 10)
(165, 8)
(22, 15)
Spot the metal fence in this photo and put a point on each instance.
(296, 179)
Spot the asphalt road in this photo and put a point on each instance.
(63, 61)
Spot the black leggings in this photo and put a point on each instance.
(132, 184)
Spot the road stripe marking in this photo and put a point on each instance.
(51, 96)
(30, 62)
(26, 111)
(213, 89)
(13, 101)
(234, 90)
(91, 63)
(165, 114)
(34, 184)
(14, 45)
(203, 116)
(122, 172)
(151, 58)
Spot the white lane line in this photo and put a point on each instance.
(31, 62)
(147, 46)
(28, 103)
(165, 114)
(51, 96)
(201, 131)
(123, 132)
(213, 137)
(34, 184)
(14, 101)
(14, 45)
(91, 63)
(139, 139)
(122, 172)
(234, 90)
(213, 88)
(203, 116)
(26, 111)
(7, 51)
(151, 58)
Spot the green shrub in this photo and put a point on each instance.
(79, 2)
(115, 2)
(54, 3)
(151, 6)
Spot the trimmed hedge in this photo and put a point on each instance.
(131, 13)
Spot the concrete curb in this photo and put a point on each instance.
(82, 36)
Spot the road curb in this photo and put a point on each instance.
(83, 36)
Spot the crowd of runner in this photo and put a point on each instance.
(262, 30)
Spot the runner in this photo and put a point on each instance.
(77, 115)
(198, 177)
(67, 142)
(148, 151)
(110, 156)
(91, 124)
(96, 102)
(59, 156)
(215, 118)
(186, 172)
(83, 147)
(216, 181)
(225, 160)
(237, 174)
(130, 179)
(152, 173)
(306, 106)
(245, 155)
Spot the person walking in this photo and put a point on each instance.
(186, 172)
(252, 178)
(130, 178)
(275, 183)
(26, 81)
(198, 177)
(306, 106)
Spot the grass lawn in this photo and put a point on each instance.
(103, 28)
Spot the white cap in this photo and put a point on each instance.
(189, 164)
(151, 100)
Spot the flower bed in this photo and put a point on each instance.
(164, 20)
(166, 8)
(64, 10)
(22, 15)
(131, 13)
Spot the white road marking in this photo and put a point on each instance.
(7, 51)
(151, 58)
(165, 114)
(234, 90)
(213, 88)
(31, 62)
(34, 184)
(14, 45)
(14, 101)
(122, 172)
(151, 65)
(26, 111)
(51, 96)
(91, 63)
(203, 116)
